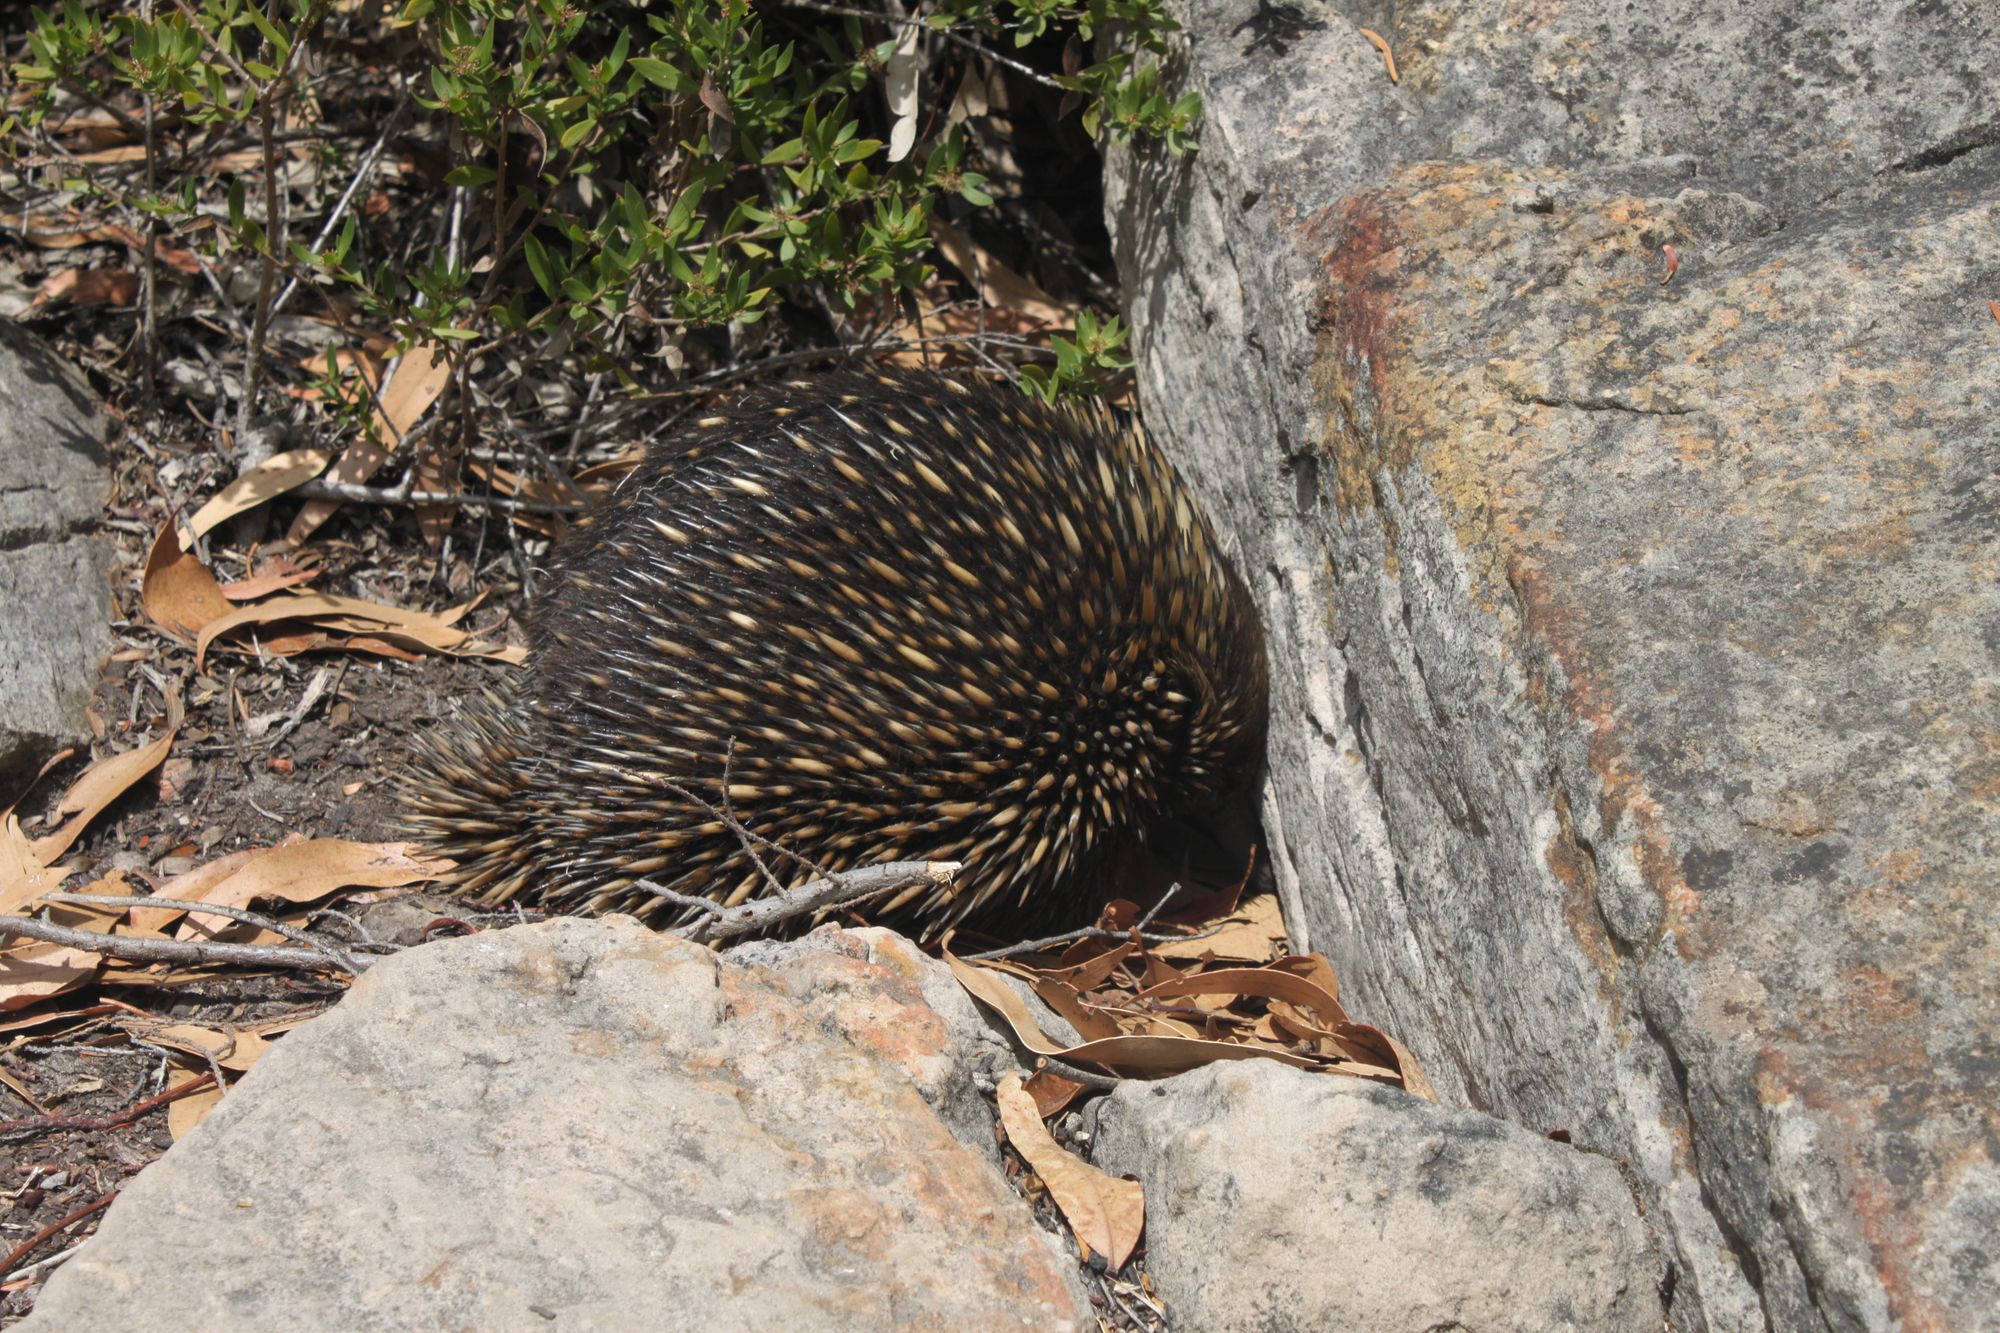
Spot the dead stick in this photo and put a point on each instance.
(194, 953)
(101, 1122)
(816, 895)
(128, 903)
(27, 1247)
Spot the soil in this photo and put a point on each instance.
(238, 777)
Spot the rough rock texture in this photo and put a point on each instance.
(55, 602)
(1635, 736)
(1276, 1198)
(585, 1124)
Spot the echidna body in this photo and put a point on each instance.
(911, 617)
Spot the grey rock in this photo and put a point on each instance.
(581, 1124)
(1282, 1199)
(55, 598)
(1634, 641)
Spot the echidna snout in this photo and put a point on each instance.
(912, 617)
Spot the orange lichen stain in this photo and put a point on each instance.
(1836, 1096)
(1575, 868)
(1622, 792)
(1357, 340)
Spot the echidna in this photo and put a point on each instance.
(913, 617)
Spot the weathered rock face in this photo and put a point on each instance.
(1636, 715)
(1276, 1198)
(55, 603)
(585, 1122)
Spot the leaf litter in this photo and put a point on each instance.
(1215, 981)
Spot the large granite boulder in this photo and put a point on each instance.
(1633, 619)
(587, 1124)
(55, 598)
(1282, 1199)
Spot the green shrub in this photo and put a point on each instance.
(618, 177)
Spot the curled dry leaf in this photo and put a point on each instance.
(89, 286)
(1140, 1014)
(1132, 1054)
(420, 377)
(184, 1113)
(899, 83)
(375, 622)
(269, 479)
(1052, 1092)
(179, 592)
(104, 782)
(1106, 1213)
(297, 872)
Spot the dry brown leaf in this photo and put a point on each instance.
(187, 1112)
(179, 592)
(277, 577)
(1090, 1023)
(300, 872)
(1106, 1213)
(1051, 1091)
(1253, 933)
(1000, 287)
(269, 479)
(1144, 1054)
(417, 629)
(420, 377)
(89, 286)
(30, 970)
(190, 886)
(1264, 982)
(1388, 1051)
(45, 1018)
(435, 474)
(29, 979)
(101, 784)
(23, 876)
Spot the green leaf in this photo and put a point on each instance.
(539, 266)
(660, 73)
(578, 132)
(470, 175)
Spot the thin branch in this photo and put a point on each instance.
(839, 890)
(27, 1247)
(1086, 933)
(190, 953)
(401, 496)
(244, 915)
(100, 1122)
(362, 175)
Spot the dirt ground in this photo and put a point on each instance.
(241, 775)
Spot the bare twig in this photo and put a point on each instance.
(27, 1247)
(1086, 933)
(401, 495)
(149, 327)
(189, 905)
(1063, 1069)
(838, 890)
(362, 175)
(29, 1270)
(97, 1122)
(191, 953)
